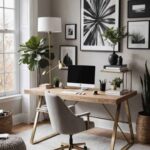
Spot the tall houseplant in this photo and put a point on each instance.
(114, 36)
(143, 120)
(35, 53)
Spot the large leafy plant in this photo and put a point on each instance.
(145, 82)
(34, 53)
(114, 35)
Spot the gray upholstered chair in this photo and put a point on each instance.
(64, 121)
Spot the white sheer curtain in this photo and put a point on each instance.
(28, 27)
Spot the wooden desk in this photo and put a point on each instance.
(101, 98)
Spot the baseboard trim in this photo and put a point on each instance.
(107, 124)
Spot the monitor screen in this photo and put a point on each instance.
(81, 76)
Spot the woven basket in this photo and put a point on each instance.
(143, 129)
(6, 123)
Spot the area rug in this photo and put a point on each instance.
(93, 142)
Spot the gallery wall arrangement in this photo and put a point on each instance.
(97, 16)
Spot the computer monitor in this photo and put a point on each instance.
(81, 76)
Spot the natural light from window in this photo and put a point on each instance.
(8, 49)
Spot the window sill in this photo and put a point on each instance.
(10, 98)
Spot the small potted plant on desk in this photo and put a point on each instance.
(116, 83)
(56, 81)
(143, 120)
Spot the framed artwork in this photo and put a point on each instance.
(70, 31)
(138, 8)
(96, 17)
(138, 34)
(68, 55)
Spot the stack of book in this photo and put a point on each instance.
(116, 92)
(116, 68)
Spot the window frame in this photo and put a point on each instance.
(16, 32)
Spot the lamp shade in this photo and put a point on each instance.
(49, 24)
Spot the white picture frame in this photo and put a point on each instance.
(93, 26)
(138, 32)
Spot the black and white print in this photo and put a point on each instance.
(138, 8)
(138, 34)
(96, 17)
(70, 31)
(68, 55)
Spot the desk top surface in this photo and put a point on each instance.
(101, 97)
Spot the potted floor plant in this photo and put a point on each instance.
(114, 36)
(35, 54)
(143, 120)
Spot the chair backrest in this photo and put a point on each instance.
(61, 118)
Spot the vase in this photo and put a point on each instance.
(113, 58)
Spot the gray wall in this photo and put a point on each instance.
(44, 8)
(69, 11)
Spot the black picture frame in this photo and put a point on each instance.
(68, 55)
(138, 8)
(139, 34)
(91, 35)
(70, 31)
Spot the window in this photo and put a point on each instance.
(8, 47)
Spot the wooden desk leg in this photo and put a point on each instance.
(35, 126)
(36, 120)
(127, 108)
(114, 134)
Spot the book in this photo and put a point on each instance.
(4, 136)
(116, 92)
(115, 66)
(115, 70)
(123, 68)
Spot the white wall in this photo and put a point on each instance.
(69, 11)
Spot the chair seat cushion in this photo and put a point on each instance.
(12, 143)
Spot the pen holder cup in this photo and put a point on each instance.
(102, 86)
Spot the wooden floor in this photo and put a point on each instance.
(95, 131)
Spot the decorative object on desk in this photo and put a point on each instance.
(68, 55)
(102, 85)
(70, 31)
(114, 36)
(116, 83)
(49, 25)
(138, 8)
(56, 81)
(92, 28)
(138, 34)
(5, 121)
(120, 61)
(143, 120)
